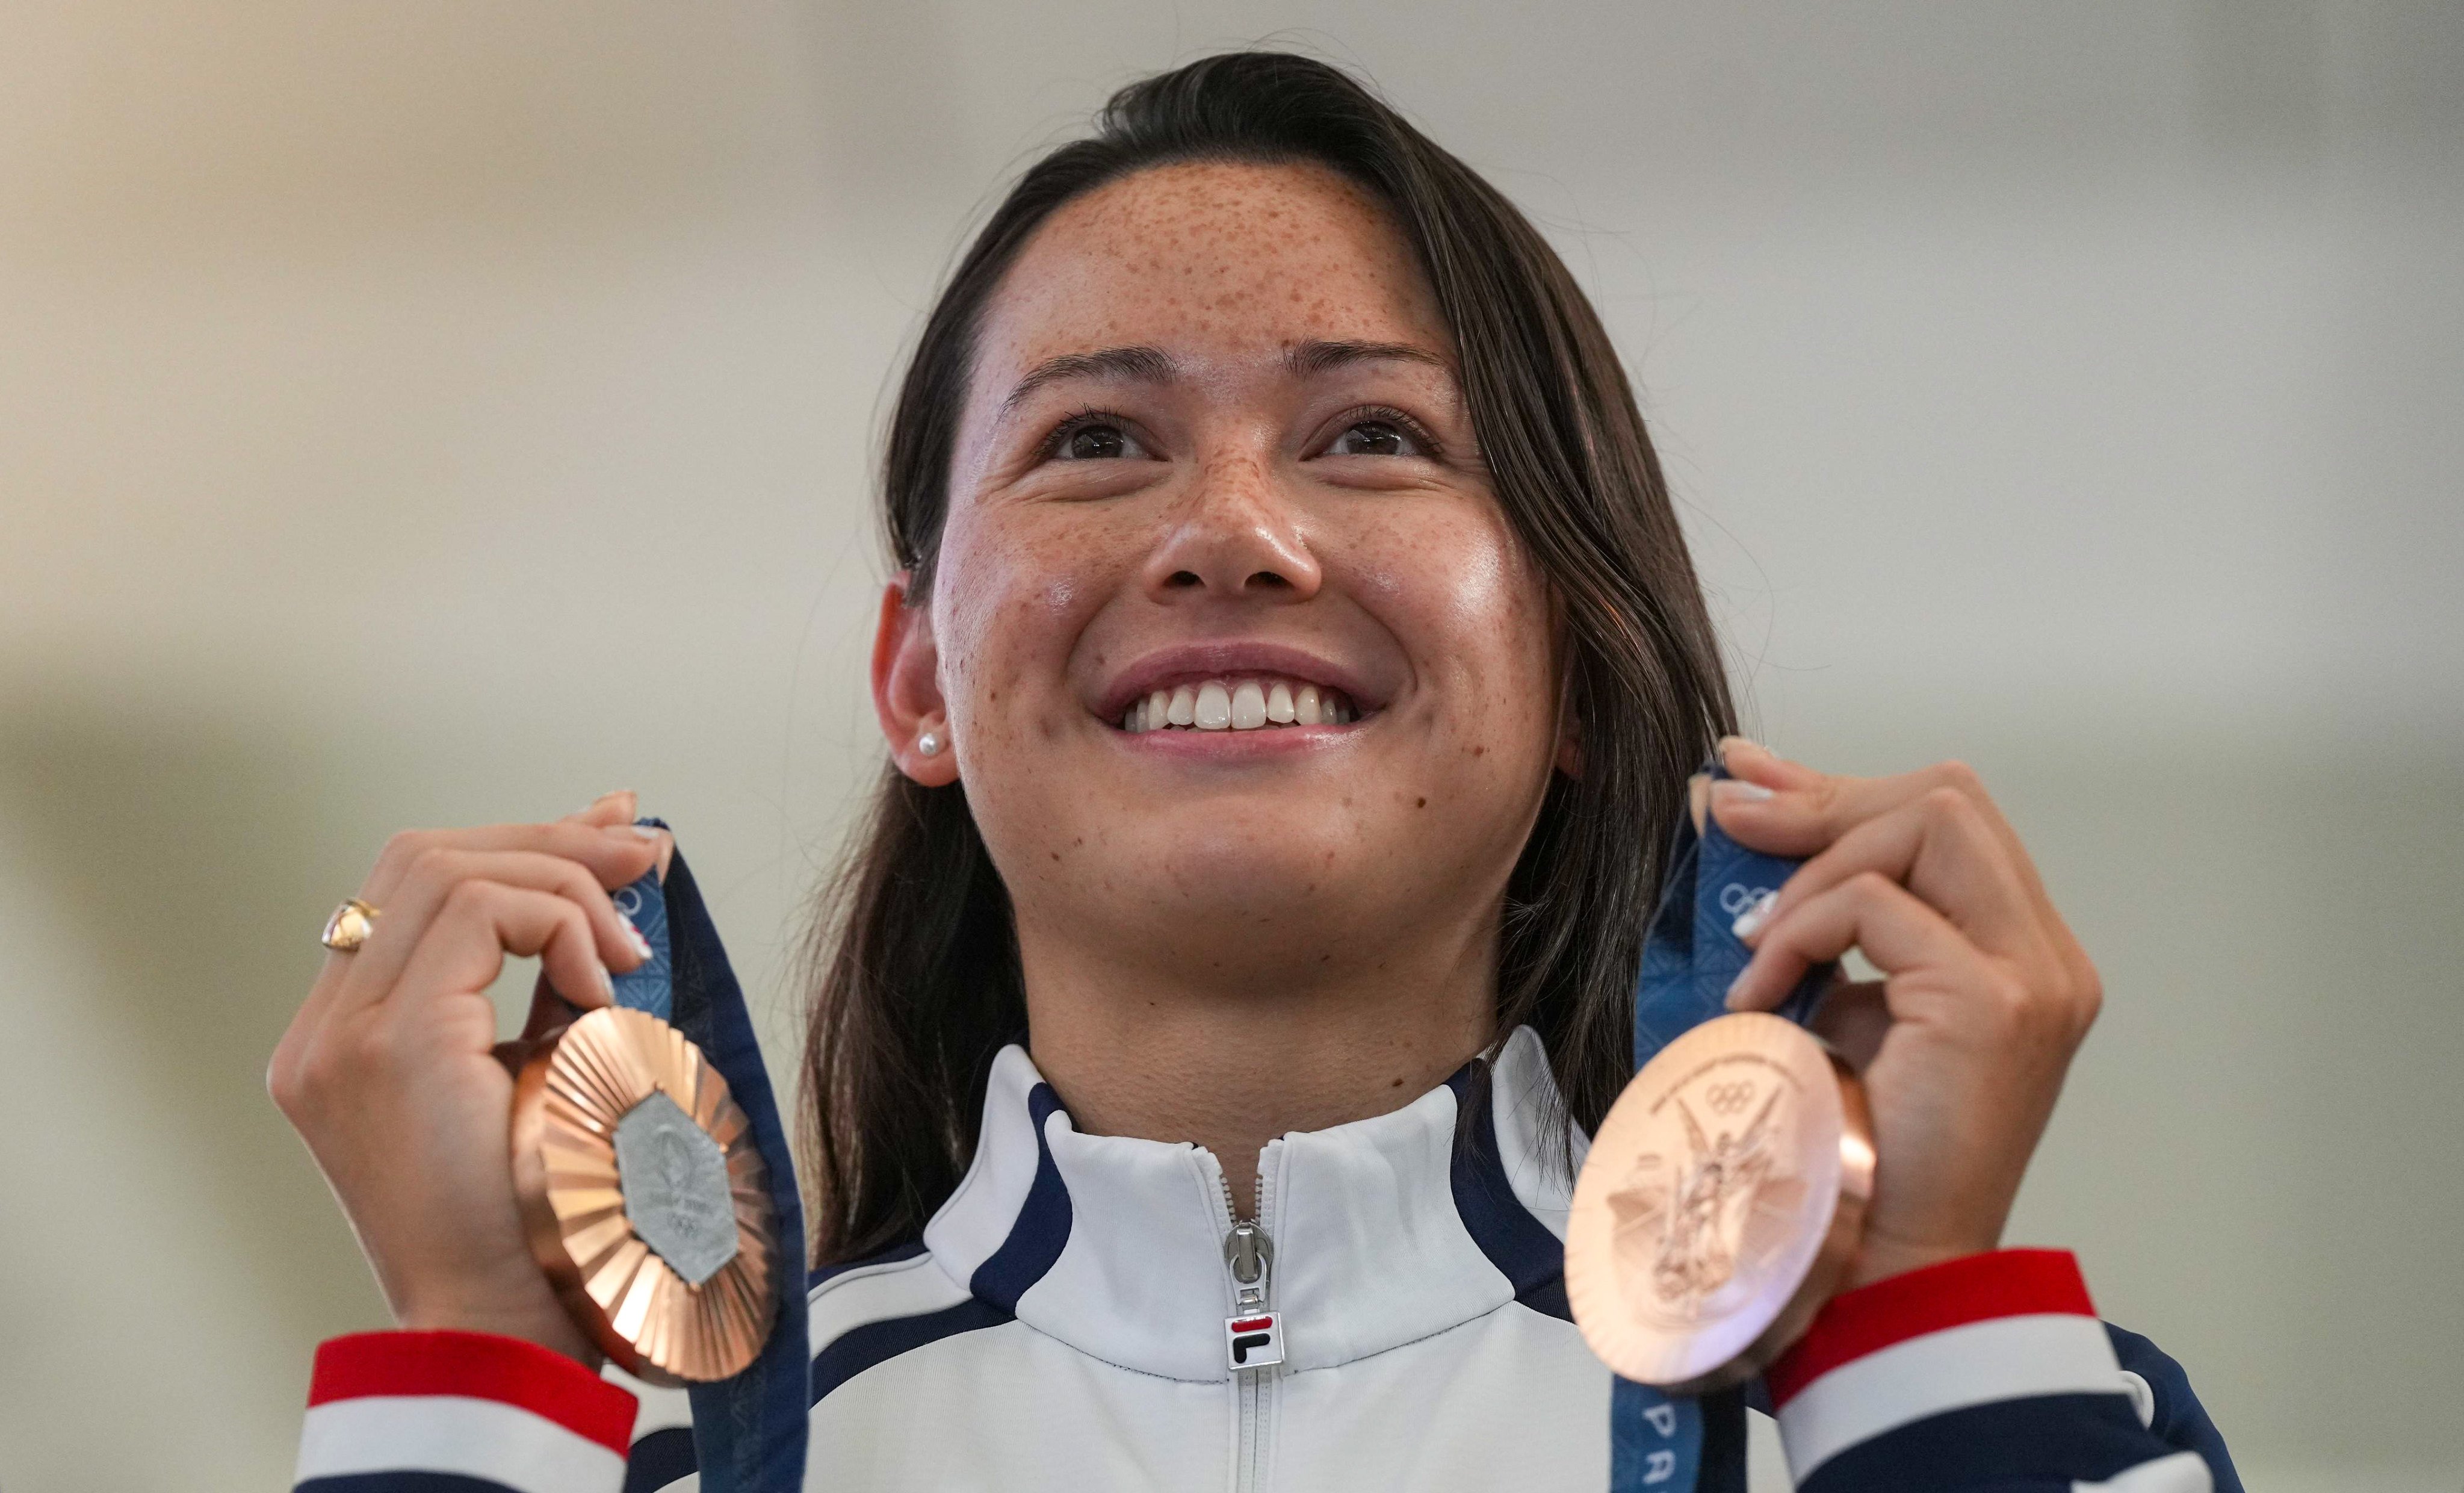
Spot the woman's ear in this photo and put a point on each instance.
(1570, 724)
(907, 690)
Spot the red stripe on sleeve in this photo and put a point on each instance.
(481, 1366)
(2005, 1283)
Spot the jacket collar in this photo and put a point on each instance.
(1384, 1231)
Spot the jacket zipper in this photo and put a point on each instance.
(1253, 1335)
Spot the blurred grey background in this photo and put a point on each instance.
(424, 414)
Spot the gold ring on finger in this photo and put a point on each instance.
(349, 926)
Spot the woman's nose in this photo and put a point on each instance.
(1233, 536)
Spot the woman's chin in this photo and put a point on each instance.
(1294, 883)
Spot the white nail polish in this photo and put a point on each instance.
(1752, 921)
(606, 985)
(1737, 791)
(648, 831)
(633, 936)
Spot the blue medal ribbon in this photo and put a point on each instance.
(1662, 1444)
(748, 1430)
(652, 987)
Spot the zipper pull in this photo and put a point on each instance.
(1253, 1335)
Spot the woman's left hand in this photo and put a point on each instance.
(1985, 993)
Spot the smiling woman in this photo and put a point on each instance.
(1292, 671)
(1258, 386)
(1290, 495)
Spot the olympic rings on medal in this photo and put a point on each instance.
(1726, 1099)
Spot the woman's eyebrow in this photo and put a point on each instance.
(1309, 358)
(1154, 365)
(1144, 364)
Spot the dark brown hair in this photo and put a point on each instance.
(918, 985)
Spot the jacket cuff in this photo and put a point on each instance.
(2010, 1324)
(497, 1409)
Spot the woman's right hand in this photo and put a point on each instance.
(389, 1074)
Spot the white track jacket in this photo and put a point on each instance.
(1063, 1325)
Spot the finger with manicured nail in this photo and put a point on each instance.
(617, 807)
(1752, 762)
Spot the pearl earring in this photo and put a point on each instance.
(929, 744)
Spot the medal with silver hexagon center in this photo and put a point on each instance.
(677, 1195)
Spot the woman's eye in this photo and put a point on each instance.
(1375, 438)
(1097, 443)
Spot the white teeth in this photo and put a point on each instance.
(1238, 704)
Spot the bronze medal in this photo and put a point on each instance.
(1721, 1203)
(644, 1197)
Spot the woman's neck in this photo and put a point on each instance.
(1230, 1064)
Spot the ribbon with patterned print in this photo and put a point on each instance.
(1666, 1443)
(749, 1431)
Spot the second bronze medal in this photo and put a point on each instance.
(1720, 1204)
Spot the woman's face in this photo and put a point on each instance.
(1215, 452)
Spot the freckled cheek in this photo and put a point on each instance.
(1016, 604)
(1471, 614)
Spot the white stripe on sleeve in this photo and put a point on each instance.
(455, 1433)
(2183, 1471)
(1997, 1359)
